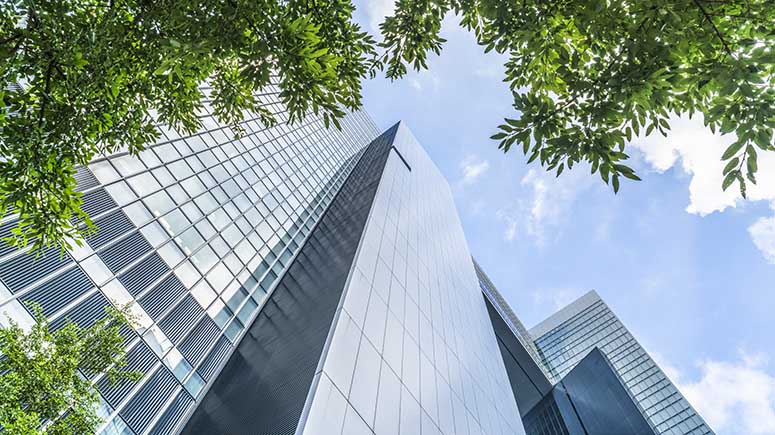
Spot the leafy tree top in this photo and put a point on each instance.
(93, 72)
(587, 76)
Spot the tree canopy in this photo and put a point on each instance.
(587, 76)
(45, 384)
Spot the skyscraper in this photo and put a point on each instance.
(585, 336)
(567, 336)
(194, 233)
(296, 279)
(398, 341)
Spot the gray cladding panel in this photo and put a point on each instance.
(26, 268)
(143, 274)
(214, 358)
(181, 319)
(161, 297)
(85, 179)
(56, 293)
(96, 202)
(195, 344)
(110, 227)
(172, 415)
(120, 255)
(140, 358)
(144, 406)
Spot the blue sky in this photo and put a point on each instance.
(688, 268)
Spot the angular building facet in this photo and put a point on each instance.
(581, 371)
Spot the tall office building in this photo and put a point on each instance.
(584, 355)
(296, 279)
(378, 327)
(567, 336)
(195, 232)
(304, 280)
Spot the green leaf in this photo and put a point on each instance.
(631, 176)
(731, 165)
(732, 150)
(728, 180)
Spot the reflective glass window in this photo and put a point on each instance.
(180, 169)
(104, 172)
(121, 193)
(159, 203)
(203, 293)
(166, 152)
(154, 234)
(144, 184)
(128, 165)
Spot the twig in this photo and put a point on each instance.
(715, 29)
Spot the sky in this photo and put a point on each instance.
(688, 268)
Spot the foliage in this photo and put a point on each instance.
(94, 72)
(41, 377)
(588, 76)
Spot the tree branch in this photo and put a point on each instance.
(715, 29)
(49, 71)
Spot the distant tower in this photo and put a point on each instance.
(584, 349)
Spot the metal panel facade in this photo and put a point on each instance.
(412, 350)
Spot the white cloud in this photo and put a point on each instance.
(733, 397)
(551, 199)
(699, 152)
(473, 168)
(377, 10)
(763, 235)
(508, 217)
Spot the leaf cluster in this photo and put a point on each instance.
(45, 377)
(588, 76)
(97, 76)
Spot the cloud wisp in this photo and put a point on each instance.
(472, 168)
(736, 397)
(763, 235)
(545, 205)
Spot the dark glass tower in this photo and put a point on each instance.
(581, 372)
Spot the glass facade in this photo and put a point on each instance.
(412, 349)
(193, 235)
(506, 313)
(591, 399)
(569, 335)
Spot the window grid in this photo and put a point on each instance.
(269, 187)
